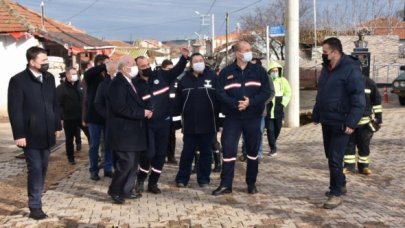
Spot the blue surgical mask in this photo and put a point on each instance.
(247, 56)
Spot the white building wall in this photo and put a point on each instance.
(13, 61)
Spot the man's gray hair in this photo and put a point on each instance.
(123, 62)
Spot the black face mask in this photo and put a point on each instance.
(325, 59)
(147, 72)
(44, 68)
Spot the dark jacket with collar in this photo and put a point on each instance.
(33, 109)
(126, 127)
(234, 83)
(101, 99)
(340, 99)
(93, 77)
(70, 100)
(155, 91)
(197, 98)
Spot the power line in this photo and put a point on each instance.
(245, 7)
(212, 5)
(81, 11)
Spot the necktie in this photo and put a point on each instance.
(39, 78)
(133, 87)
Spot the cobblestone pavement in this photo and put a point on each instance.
(291, 192)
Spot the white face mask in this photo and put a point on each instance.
(74, 78)
(134, 71)
(274, 74)
(247, 56)
(199, 67)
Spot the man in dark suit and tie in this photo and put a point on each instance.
(35, 121)
(126, 130)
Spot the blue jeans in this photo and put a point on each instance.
(95, 135)
(37, 165)
(191, 143)
(273, 131)
(335, 142)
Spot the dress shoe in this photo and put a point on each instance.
(252, 189)
(221, 190)
(117, 199)
(154, 189)
(95, 177)
(172, 161)
(134, 195)
(365, 171)
(204, 185)
(109, 174)
(139, 186)
(332, 202)
(37, 213)
(343, 190)
(72, 162)
(181, 185)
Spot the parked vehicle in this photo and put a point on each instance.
(398, 86)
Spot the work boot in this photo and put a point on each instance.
(332, 202)
(365, 171)
(348, 170)
(154, 189)
(217, 160)
(139, 186)
(343, 190)
(196, 161)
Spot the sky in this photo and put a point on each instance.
(145, 19)
(155, 19)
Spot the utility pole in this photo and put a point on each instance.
(226, 37)
(42, 14)
(315, 35)
(213, 34)
(292, 62)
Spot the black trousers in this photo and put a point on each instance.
(153, 161)
(70, 127)
(126, 166)
(171, 146)
(360, 138)
(37, 165)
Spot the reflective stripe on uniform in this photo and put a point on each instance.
(176, 118)
(146, 97)
(367, 90)
(143, 170)
(233, 85)
(221, 115)
(363, 160)
(161, 91)
(252, 158)
(172, 95)
(229, 159)
(377, 108)
(156, 170)
(253, 83)
(350, 159)
(364, 120)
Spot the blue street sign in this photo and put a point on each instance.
(278, 30)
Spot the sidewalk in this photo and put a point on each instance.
(291, 191)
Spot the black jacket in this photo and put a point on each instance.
(126, 127)
(70, 100)
(373, 100)
(101, 99)
(155, 91)
(33, 109)
(198, 101)
(234, 83)
(340, 99)
(93, 77)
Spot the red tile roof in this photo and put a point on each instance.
(17, 18)
(386, 26)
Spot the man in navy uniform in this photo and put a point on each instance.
(242, 90)
(34, 115)
(153, 87)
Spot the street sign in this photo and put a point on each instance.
(277, 30)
